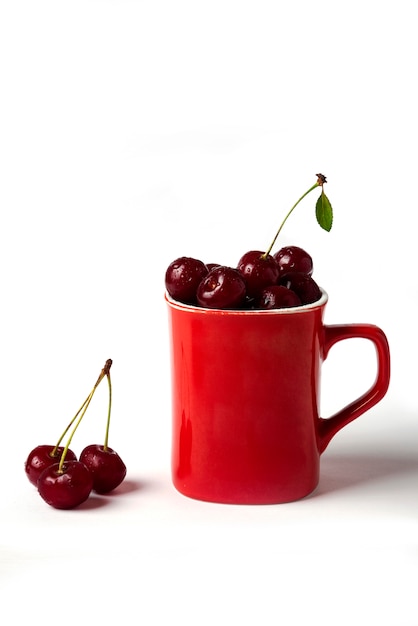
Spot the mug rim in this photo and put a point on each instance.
(175, 304)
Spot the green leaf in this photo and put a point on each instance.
(324, 214)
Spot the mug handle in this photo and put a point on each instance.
(328, 427)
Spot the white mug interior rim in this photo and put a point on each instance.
(284, 311)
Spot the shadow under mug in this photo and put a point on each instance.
(246, 425)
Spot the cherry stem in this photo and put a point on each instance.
(80, 414)
(55, 450)
(319, 183)
(109, 410)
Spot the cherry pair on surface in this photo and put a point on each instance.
(64, 481)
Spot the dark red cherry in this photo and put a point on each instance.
(249, 303)
(211, 266)
(294, 259)
(68, 488)
(105, 465)
(222, 288)
(258, 271)
(44, 456)
(182, 278)
(303, 285)
(278, 297)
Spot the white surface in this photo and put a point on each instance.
(135, 132)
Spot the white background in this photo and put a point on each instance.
(135, 132)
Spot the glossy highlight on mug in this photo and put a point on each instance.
(246, 424)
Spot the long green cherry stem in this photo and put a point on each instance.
(109, 410)
(55, 450)
(319, 183)
(81, 412)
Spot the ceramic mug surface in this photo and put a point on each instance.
(246, 424)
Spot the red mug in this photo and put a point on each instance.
(246, 425)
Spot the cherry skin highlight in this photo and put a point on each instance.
(182, 278)
(258, 271)
(278, 297)
(42, 457)
(68, 488)
(294, 259)
(105, 465)
(222, 288)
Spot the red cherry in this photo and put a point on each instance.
(258, 271)
(68, 488)
(294, 259)
(222, 288)
(105, 465)
(278, 297)
(44, 456)
(182, 278)
(303, 285)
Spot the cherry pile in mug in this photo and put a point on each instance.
(259, 281)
